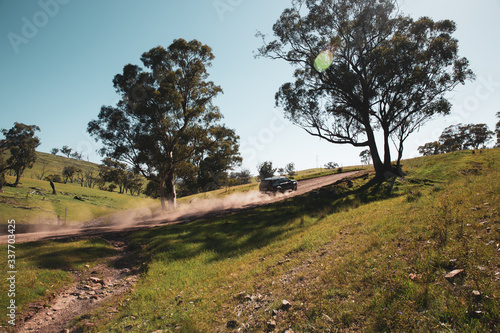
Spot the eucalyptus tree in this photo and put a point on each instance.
(165, 115)
(362, 68)
(21, 142)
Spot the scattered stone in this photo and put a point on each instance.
(240, 296)
(285, 305)
(454, 273)
(476, 293)
(96, 280)
(271, 324)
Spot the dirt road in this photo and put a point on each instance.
(197, 208)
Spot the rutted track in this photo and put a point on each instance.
(201, 208)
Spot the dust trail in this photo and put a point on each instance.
(200, 207)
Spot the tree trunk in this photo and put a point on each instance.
(162, 195)
(387, 150)
(171, 195)
(54, 192)
(19, 174)
(377, 161)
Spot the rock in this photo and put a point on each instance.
(476, 293)
(454, 273)
(286, 305)
(96, 280)
(271, 324)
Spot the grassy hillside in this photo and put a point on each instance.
(32, 202)
(354, 256)
(48, 164)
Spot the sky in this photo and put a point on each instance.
(58, 59)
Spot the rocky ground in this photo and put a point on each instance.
(90, 289)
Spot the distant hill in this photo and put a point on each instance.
(53, 164)
(33, 202)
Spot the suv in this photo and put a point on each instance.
(277, 184)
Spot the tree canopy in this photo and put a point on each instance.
(362, 67)
(165, 117)
(458, 137)
(21, 141)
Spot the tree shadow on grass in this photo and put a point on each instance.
(63, 255)
(250, 229)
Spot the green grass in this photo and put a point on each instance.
(45, 267)
(353, 257)
(33, 202)
(48, 164)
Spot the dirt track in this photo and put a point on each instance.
(131, 221)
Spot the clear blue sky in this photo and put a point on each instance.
(59, 73)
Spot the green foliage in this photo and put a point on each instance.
(21, 142)
(331, 165)
(266, 170)
(242, 177)
(458, 137)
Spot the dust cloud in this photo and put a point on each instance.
(198, 207)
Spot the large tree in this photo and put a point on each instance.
(362, 67)
(165, 113)
(21, 141)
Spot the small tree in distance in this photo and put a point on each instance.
(22, 143)
(65, 150)
(266, 170)
(497, 131)
(366, 156)
(331, 165)
(458, 137)
(290, 169)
